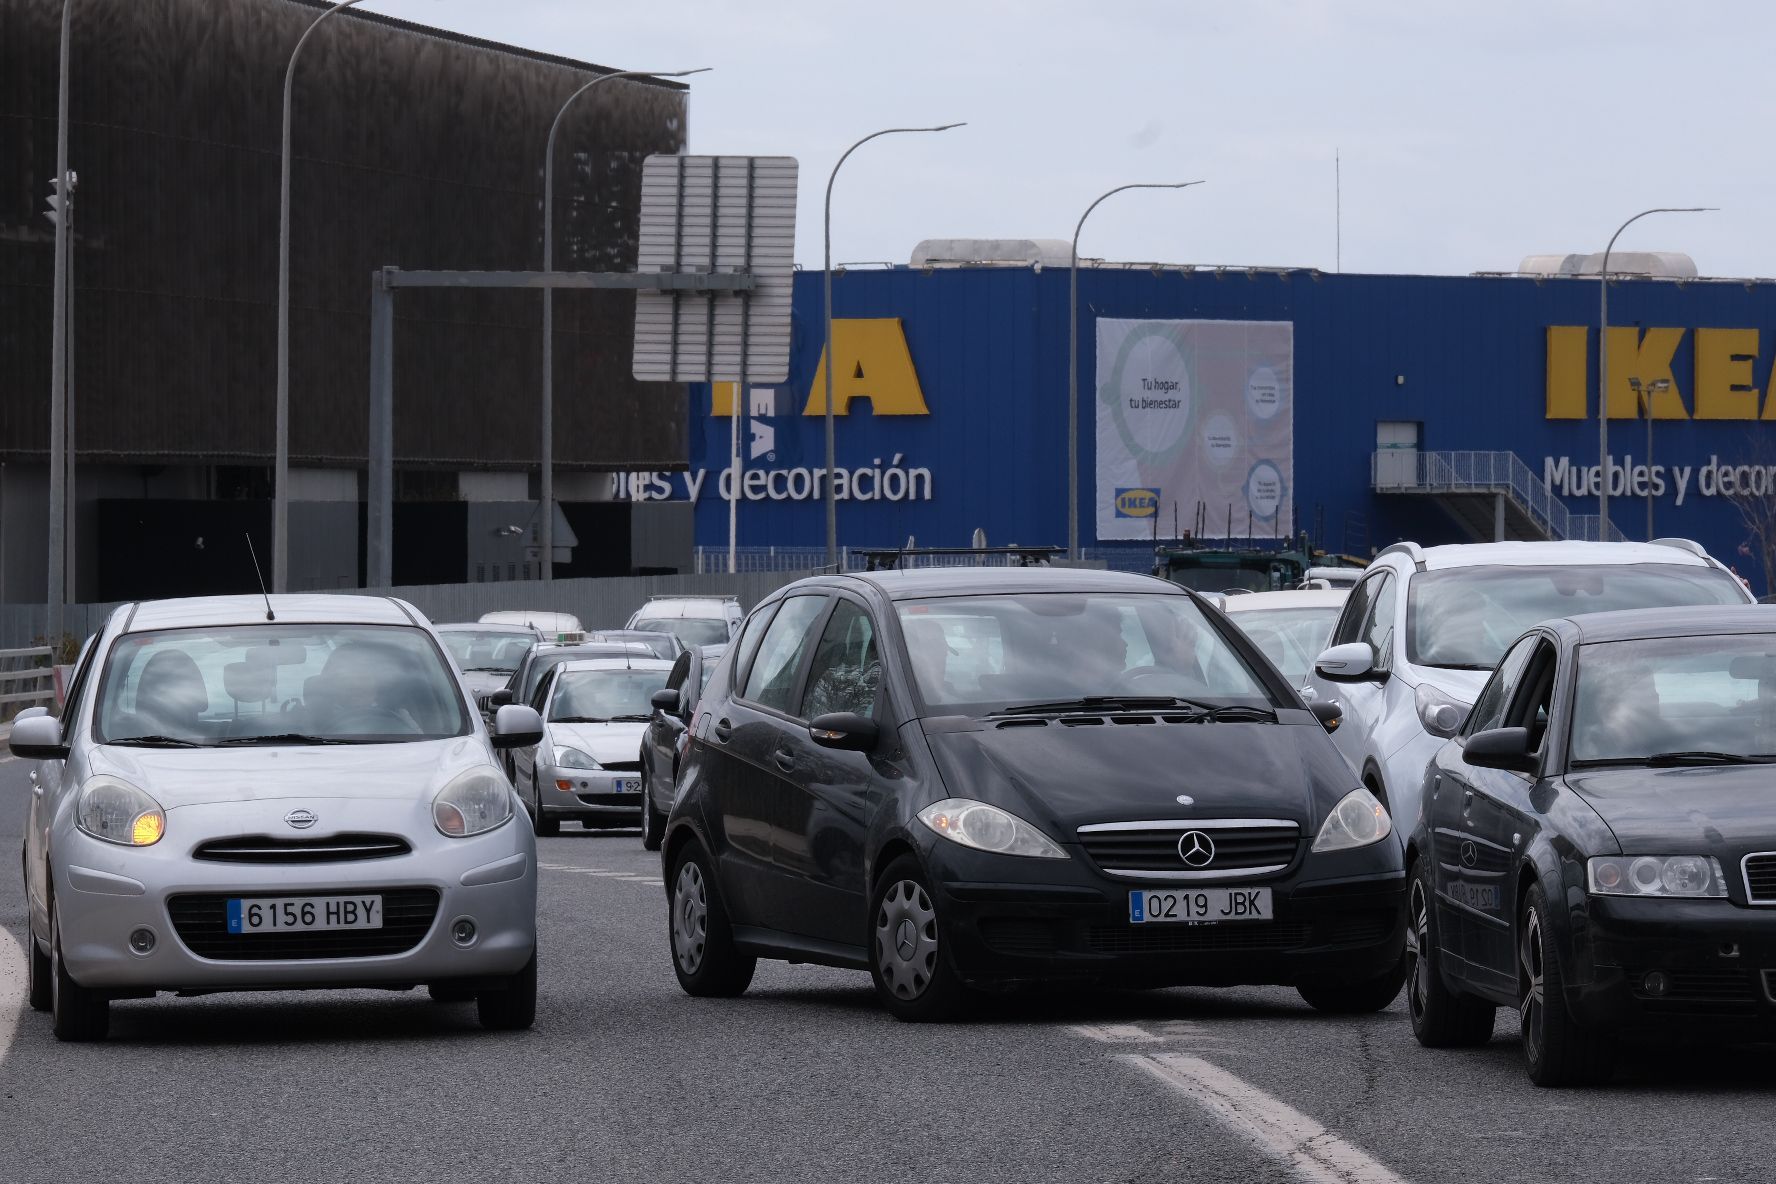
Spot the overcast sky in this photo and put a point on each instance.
(1471, 134)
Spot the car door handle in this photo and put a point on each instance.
(785, 759)
(723, 729)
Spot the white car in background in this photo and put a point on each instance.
(694, 620)
(549, 626)
(1422, 631)
(1290, 627)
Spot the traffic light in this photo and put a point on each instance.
(59, 200)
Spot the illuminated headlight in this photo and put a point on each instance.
(473, 803)
(1657, 875)
(988, 828)
(573, 758)
(1356, 821)
(118, 812)
(1440, 714)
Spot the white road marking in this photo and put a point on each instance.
(1271, 1126)
(1115, 1033)
(14, 983)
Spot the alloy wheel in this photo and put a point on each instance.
(1418, 942)
(690, 917)
(1530, 954)
(906, 939)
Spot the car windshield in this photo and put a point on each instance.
(277, 684)
(599, 696)
(660, 643)
(1290, 637)
(690, 630)
(992, 652)
(486, 649)
(1699, 697)
(1466, 617)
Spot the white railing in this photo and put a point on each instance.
(27, 679)
(1402, 471)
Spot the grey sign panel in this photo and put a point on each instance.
(716, 214)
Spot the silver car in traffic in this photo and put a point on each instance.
(245, 793)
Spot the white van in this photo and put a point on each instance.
(694, 620)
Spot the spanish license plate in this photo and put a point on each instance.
(1199, 906)
(626, 785)
(293, 914)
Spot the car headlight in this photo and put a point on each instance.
(572, 758)
(988, 828)
(473, 803)
(1356, 821)
(1656, 875)
(118, 812)
(1440, 714)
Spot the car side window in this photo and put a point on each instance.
(772, 680)
(681, 669)
(70, 708)
(1378, 623)
(542, 692)
(1356, 612)
(747, 646)
(1529, 707)
(847, 671)
(1489, 708)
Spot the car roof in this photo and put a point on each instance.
(637, 663)
(1699, 621)
(715, 607)
(288, 608)
(593, 648)
(1257, 602)
(486, 627)
(524, 616)
(994, 581)
(1547, 554)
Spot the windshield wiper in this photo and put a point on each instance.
(579, 719)
(1703, 756)
(631, 719)
(487, 670)
(1457, 665)
(1205, 709)
(156, 742)
(289, 738)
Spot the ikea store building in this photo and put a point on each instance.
(1249, 403)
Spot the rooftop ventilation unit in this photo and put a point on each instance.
(992, 252)
(1658, 265)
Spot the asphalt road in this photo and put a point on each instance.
(625, 1078)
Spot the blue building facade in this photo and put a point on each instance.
(952, 392)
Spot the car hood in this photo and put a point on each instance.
(480, 682)
(1465, 685)
(198, 776)
(1062, 776)
(604, 743)
(1684, 811)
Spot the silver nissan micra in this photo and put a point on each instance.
(246, 793)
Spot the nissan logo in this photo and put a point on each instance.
(1196, 848)
(300, 819)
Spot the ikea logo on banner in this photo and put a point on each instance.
(1137, 503)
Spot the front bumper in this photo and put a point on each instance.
(592, 794)
(1718, 959)
(1074, 925)
(103, 893)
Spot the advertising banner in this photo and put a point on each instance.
(1195, 414)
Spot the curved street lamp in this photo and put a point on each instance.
(832, 505)
(1603, 522)
(546, 518)
(1073, 358)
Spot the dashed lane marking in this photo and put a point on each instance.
(1269, 1125)
(13, 989)
(604, 873)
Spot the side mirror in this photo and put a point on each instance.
(38, 738)
(1346, 663)
(516, 726)
(1328, 712)
(845, 730)
(1500, 748)
(34, 712)
(498, 699)
(667, 700)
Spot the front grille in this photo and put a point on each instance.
(201, 921)
(621, 766)
(1151, 850)
(1016, 935)
(1190, 939)
(274, 850)
(1760, 877)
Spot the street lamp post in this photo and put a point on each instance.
(280, 471)
(1644, 397)
(1073, 359)
(832, 504)
(1603, 523)
(546, 518)
(57, 590)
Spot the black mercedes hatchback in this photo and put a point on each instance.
(968, 780)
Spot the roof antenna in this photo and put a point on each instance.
(269, 615)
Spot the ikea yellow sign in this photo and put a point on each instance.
(1721, 385)
(874, 364)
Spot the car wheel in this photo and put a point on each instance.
(450, 993)
(703, 953)
(1441, 1017)
(913, 979)
(513, 1007)
(40, 974)
(79, 1014)
(1358, 998)
(541, 823)
(653, 823)
(1558, 1049)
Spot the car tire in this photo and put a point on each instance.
(79, 1015)
(1557, 1049)
(40, 974)
(1358, 998)
(541, 823)
(513, 1007)
(699, 933)
(653, 823)
(914, 980)
(450, 993)
(1442, 1017)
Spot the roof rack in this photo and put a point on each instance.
(892, 558)
(1690, 545)
(1412, 551)
(694, 596)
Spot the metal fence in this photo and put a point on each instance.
(1484, 472)
(714, 560)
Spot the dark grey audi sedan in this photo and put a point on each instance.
(969, 780)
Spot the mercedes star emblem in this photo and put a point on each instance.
(1196, 848)
(300, 819)
(1470, 854)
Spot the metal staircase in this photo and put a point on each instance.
(1493, 496)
